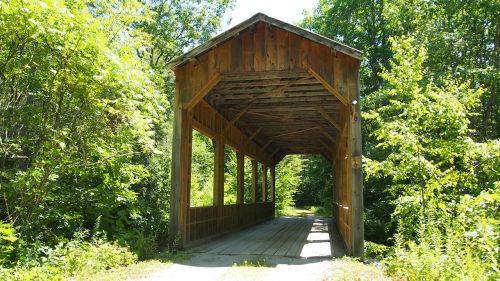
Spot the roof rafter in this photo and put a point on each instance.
(328, 118)
(329, 87)
(198, 96)
(277, 90)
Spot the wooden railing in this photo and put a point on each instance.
(208, 222)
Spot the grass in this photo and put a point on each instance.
(137, 270)
(347, 268)
(306, 211)
(254, 263)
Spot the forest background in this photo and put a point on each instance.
(85, 128)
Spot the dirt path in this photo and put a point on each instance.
(210, 267)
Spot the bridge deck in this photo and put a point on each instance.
(304, 237)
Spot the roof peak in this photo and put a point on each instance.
(261, 17)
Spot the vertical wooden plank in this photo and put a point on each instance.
(223, 57)
(271, 48)
(240, 162)
(283, 54)
(304, 53)
(254, 181)
(211, 63)
(248, 50)
(259, 45)
(294, 50)
(236, 53)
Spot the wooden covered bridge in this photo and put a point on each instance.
(267, 89)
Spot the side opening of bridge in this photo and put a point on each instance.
(266, 89)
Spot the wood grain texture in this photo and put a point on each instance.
(267, 90)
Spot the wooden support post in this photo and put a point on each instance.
(264, 182)
(180, 179)
(219, 180)
(356, 176)
(240, 161)
(219, 172)
(254, 181)
(335, 196)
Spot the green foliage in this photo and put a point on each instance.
(70, 259)
(449, 256)
(258, 189)
(287, 182)
(79, 108)
(247, 171)
(324, 211)
(461, 39)
(316, 183)
(85, 119)
(230, 176)
(202, 170)
(8, 239)
(375, 251)
(437, 172)
(254, 263)
(269, 195)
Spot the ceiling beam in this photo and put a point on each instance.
(328, 118)
(275, 151)
(277, 90)
(327, 135)
(267, 144)
(327, 147)
(293, 133)
(252, 136)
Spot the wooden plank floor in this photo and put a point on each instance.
(304, 237)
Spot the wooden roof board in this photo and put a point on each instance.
(227, 35)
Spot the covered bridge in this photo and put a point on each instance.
(267, 89)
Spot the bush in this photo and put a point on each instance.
(466, 249)
(437, 258)
(69, 259)
(145, 246)
(376, 251)
(7, 242)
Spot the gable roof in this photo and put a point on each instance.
(234, 31)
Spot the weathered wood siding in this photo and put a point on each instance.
(270, 50)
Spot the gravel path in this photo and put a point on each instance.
(210, 267)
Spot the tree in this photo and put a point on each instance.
(287, 181)
(358, 23)
(85, 117)
(316, 183)
(78, 108)
(462, 40)
(434, 167)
